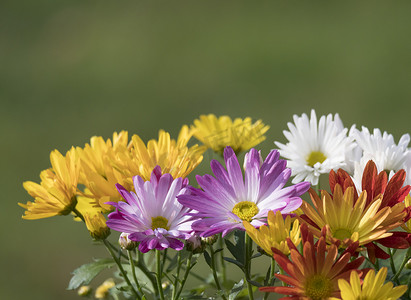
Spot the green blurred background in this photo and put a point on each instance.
(73, 69)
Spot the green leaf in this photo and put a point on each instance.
(86, 273)
(236, 250)
(236, 262)
(207, 259)
(237, 288)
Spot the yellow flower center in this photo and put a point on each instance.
(315, 157)
(159, 222)
(245, 210)
(342, 234)
(318, 287)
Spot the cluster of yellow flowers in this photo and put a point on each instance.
(83, 180)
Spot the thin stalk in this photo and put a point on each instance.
(120, 267)
(164, 260)
(133, 271)
(394, 271)
(141, 265)
(404, 262)
(159, 274)
(217, 282)
(187, 272)
(222, 261)
(282, 273)
(247, 265)
(177, 278)
(272, 278)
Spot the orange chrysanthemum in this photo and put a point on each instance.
(339, 218)
(315, 273)
(391, 193)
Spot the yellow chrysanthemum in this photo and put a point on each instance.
(347, 221)
(173, 156)
(56, 194)
(275, 234)
(407, 225)
(373, 287)
(239, 134)
(97, 171)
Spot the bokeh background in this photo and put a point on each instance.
(73, 69)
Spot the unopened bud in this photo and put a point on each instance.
(165, 284)
(102, 290)
(96, 225)
(126, 243)
(408, 264)
(210, 240)
(84, 291)
(195, 244)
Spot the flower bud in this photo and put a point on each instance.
(408, 264)
(102, 290)
(96, 224)
(210, 240)
(126, 243)
(84, 291)
(195, 244)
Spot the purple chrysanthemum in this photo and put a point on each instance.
(228, 199)
(152, 215)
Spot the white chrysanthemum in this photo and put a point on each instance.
(315, 148)
(382, 149)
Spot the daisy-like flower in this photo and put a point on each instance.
(315, 273)
(372, 288)
(152, 215)
(342, 219)
(382, 149)
(173, 156)
(391, 193)
(315, 148)
(96, 225)
(276, 233)
(97, 172)
(56, 194)
(228, 199)
(217, 133)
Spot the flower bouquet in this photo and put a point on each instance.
(168, 238)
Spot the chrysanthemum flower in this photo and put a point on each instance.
(372, 288)
(173, 156)
(56, 194)
(315, 273)
(381, 148)
(152, 215)
(342, 219)
(276, 233)
(96, 225)
(391, 194)
(314, 149)
(240, 134)
(228, 199)
(97, 171)
(103, 290)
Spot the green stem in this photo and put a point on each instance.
(404, 262)
(394, 271)
(187, 272)
(177, 277)
(317, 188)
(217, 282)
(78, 214)
(141, 265)
(133, 271)
(223, 270)
(247, 265)
(159, 274)
(282, 273)
(120, 267)
(272, 277)
(164, 260)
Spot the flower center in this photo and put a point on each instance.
(315, 157)
(245, 210)
(342, 234)
(318, 287)
(159, 222)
